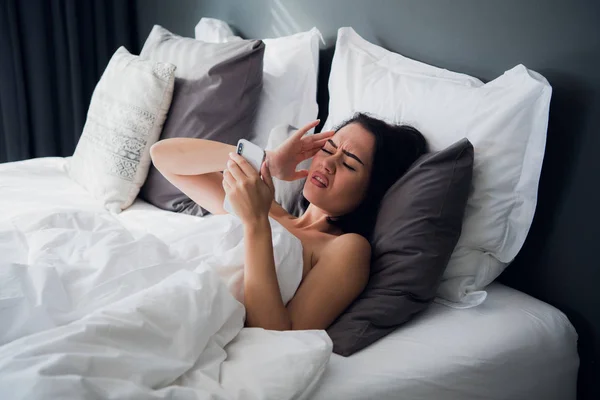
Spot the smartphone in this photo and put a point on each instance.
(255, 157)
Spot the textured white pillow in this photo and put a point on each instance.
(505, 119)
(290, 67)
(126, 115)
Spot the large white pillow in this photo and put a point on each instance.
(126, 115)
(290, 68)
(505, 120)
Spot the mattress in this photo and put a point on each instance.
(512, 346)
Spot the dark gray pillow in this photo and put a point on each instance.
(217, 87)
(418, 225)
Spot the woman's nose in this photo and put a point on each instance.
(329, 165)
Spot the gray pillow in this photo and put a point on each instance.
(418, 225)
(217, 87)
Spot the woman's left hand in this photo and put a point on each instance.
(250, 195)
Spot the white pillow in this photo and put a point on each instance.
(505, 119)
(290, 68)
(126, 115)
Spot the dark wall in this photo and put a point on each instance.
(558, 38)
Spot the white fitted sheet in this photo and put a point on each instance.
(512, 346)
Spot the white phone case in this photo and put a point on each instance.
(255, 157)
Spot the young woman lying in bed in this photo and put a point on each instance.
(351, 170)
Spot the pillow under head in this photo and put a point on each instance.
(217, 88)
(505, 120)
(418, 225)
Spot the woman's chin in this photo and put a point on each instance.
(312, 195)
(325, 201)
(317, 198)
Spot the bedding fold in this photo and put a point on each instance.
(90, 308)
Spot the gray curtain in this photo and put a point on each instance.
(52, 53)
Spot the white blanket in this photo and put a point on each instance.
(89, 309)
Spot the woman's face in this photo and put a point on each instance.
(339, 175)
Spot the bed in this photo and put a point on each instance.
(513, 346)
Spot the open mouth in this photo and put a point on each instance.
(319, 180)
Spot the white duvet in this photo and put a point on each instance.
(91, 308)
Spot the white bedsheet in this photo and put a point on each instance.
(513, 346)
(92, 309)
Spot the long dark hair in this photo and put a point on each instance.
(397, 147)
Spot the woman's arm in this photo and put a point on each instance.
(334, 282)
(262, 295)
(193, 166)
(331, 286)
(252, 198)
(186, 156)
(337, 279)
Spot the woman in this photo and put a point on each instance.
(351, 170)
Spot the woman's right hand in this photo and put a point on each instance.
(297, 148)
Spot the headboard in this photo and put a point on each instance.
(558, 38)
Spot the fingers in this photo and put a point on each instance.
(300, 132)
(235, 171)
(316, 141)
(317, 144)
(228, 181)
(243, 165)
(266, 176)
(226, 187)
(323, 135)
(313, 148)
(311, 153)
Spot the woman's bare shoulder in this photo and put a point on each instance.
(353, 239)
(349, 247)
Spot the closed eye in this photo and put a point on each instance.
(345, 165)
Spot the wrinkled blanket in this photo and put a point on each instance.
(89, 310)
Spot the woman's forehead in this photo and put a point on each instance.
(356, 136)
